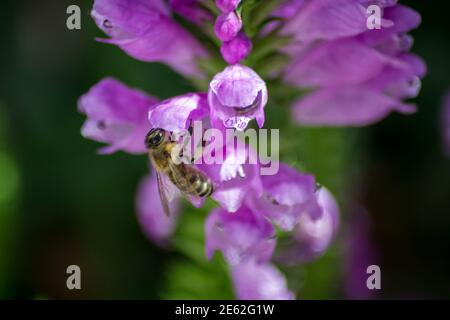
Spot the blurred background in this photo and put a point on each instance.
(62, 204)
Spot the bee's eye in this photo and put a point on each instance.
(154, 138)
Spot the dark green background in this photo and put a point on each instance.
(62, 204)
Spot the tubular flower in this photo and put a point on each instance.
(145, 31)
(116, 115)
(313, 236)
(237, 95)
(154, 222)
(236, 177)
(241, 236)
(176, 114)
(253, 281)
(286, 196)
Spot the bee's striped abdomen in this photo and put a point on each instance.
(204, 189)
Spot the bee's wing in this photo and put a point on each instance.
(162, 194)
(175, 174)
(195, 200)
(166, 191)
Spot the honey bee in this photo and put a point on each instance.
(189, 181)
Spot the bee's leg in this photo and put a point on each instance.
(203, 142)
(191, 132)
(185, 158)
(191, 128)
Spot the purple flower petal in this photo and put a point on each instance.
(342, 62)
(318, 233)
(405, 19)
(144, 30)
(253, 281)
(346, 106)
(236, 177)
(327, 20)
(286, 196)
(358, 75)
(177, 113)
(313, 236)
(156, 225)
(237, 95)
(401, 83)
(386, 39)
(240, 236)
(116, 115)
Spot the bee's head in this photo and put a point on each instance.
(155, 137)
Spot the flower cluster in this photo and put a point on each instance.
(357, 75)
(353, 76)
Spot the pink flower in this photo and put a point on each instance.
(236, 96)
(178, 113)
(236, 178)
(326, 20)
(116, 115)
(241, 236)
(343, 107)
(356, 76)
(145, 31)
(156, 225)
(260, 281)
(287, 196)
(313, 236)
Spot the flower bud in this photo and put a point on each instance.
(227, 26)
(237, 49)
